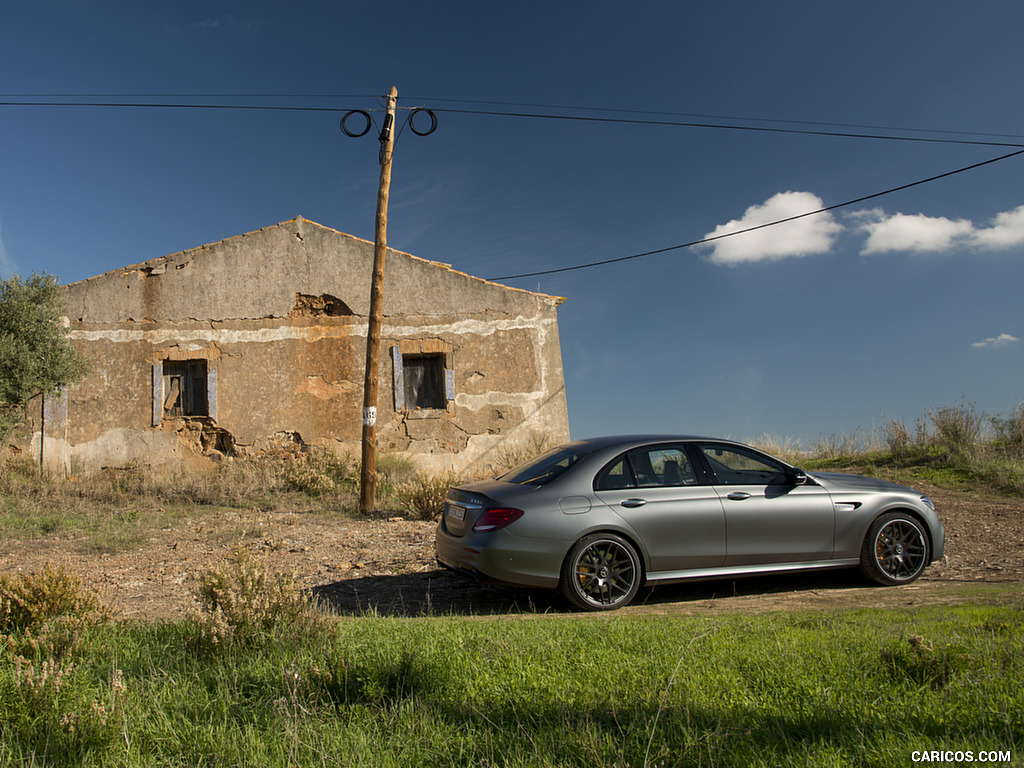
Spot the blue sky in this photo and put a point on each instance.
(831, 324)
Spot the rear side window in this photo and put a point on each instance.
(544, 468)
(648, 467)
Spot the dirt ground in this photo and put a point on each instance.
(387, 565)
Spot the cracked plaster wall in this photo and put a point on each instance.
(280, 317)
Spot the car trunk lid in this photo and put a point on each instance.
(461, 510)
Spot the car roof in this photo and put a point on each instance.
(596, 443)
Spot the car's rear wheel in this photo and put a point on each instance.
(601, 573)
(896, 549)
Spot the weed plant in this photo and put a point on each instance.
(241, 601)
(424, 497)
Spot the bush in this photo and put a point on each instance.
(1010, 431)
(392, 471)
(28, 602)
(837, 446)
(241, 601)
(897, 439)
(957, 427)
(424, 496)
(320, 472)
(18, 472)
(45, 613)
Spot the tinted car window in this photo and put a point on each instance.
(735, 466)
(662, 465)
(651, 466)
(544, 468)
(615, 476)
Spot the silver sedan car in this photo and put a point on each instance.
(600, 518)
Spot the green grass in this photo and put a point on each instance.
(858, 688)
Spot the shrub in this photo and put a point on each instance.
(16, 472)
(897, 439)
(321, 472)
(425, 495)
(958, 427)
(318, 472)
(837, 446)
(392, 470)
(46, 613)
(1010, 430)
(241, 601)
(28, 602)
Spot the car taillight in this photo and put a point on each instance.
(493, 519)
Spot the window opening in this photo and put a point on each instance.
(185, 391)
(423, 379)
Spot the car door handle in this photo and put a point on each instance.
(738, 495)
(632, 503)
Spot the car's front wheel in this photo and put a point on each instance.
(896, 549)
(601, 573)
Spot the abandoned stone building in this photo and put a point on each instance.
(258, 342)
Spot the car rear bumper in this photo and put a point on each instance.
(502, 558)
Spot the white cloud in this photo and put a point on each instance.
(919, 233)
(999, 341)
(809, 235)
(912, 233)
(902, 232)
(1007, 230)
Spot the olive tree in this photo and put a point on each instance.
(36, 356)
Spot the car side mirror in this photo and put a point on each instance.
(797, 476)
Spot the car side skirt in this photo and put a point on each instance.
(664, 577)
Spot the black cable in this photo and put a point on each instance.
(579, 108)
(724, 117)
(533, 115)
(761, 226)
(269, 108)
(720, 126)
(600, 120)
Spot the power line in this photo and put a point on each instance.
(38, 102)
(726, 127)
(38, 97)
(153, 105)
(705, 240)
(565, 117)
(723, 117)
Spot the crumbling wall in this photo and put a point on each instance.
(277, 321)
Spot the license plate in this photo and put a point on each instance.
(456, 512)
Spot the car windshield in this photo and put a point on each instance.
(544, 468)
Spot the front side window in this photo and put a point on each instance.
(735, 466)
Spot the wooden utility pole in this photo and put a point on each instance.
(368, 474)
